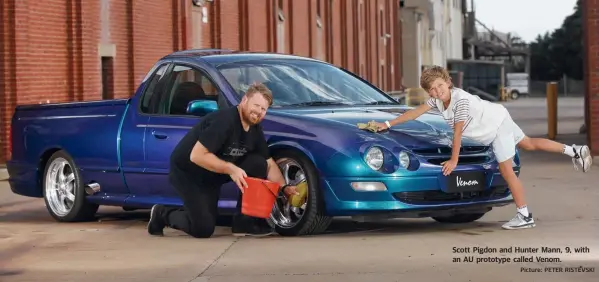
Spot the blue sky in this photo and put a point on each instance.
(523, 16)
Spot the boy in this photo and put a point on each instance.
(490, 124)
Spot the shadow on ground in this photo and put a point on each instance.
(115, 219)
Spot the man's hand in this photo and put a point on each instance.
(290, 190)
(238, 176)
(449, 166)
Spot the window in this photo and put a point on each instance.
(151, 94)
(187, 84)
(297, 82)
(107, 78)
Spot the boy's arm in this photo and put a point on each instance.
(411, 114)
(452, 163)
(457, 140)
(462, 112)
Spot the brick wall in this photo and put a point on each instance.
(591, 59)
(47, 59)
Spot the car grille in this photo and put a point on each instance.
(462, 160)
(468, 154)
(447, 150)
(431, 197)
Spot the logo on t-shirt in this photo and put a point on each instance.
(236, 150)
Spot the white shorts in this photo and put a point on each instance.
(508, 136)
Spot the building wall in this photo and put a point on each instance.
(412, 46)
(47, 59)
(454, 22)
(435, 27)
(437, 33)
(591, 54)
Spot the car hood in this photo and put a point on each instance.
(429, 130)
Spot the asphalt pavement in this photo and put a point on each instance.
(33, 247)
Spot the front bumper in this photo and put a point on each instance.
(411, 196)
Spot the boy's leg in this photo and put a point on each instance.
(581, 155)
(523, 218)
(504, 147)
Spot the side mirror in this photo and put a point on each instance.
(201, 107)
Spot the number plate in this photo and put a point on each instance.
(465, 181)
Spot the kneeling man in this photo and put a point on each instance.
(226, 145)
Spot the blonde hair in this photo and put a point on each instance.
(429, 75)
(262, 89)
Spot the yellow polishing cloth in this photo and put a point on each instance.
(370, 126)
(298, 200)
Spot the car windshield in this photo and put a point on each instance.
(303, 83)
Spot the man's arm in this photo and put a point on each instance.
(201, 156)
(274, 173)
(210, 138)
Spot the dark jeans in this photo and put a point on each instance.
(200, 201)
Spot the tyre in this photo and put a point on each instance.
(515, 95)
(308, 219)
(459, 218)
(64, 191)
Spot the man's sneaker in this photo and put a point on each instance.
(519, 222)
(246, 226)
(582, 158)
(156, 224)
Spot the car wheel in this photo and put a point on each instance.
(309, 218)
(459, 218)
(64, 191)
(515, 95)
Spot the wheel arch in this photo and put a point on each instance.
(41, 167)
(278, 147)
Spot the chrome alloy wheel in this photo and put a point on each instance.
(283, 214)
(60, 187)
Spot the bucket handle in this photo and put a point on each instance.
(280, 189)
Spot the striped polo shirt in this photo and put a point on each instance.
(481, 118)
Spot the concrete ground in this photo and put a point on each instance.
(35, 248)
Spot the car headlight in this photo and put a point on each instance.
(374, 158)
(404, 159)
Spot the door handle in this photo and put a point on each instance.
(159, 135)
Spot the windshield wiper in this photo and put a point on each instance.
(320, 103)
(381, 103)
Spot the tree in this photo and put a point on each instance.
(560, 52)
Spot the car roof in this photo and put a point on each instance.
(218, 57)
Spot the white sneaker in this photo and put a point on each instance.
(520, 222)
(582, 158)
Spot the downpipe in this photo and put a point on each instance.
(92, 188)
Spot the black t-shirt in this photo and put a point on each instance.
(222, 133)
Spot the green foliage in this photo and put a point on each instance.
(560, 52)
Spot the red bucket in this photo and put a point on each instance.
(259, 197)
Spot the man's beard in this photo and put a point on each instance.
(248, 119)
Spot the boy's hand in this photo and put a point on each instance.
(449, 166)
(381, 126)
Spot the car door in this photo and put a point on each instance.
(167, 128)
(132, 134)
